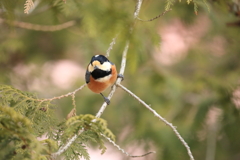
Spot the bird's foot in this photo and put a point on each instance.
(120, 76)
(105, 99)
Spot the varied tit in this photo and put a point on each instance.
(100, 74)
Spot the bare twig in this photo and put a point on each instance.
(36, 27)
(72, 113)
(111, 46)
(123, 63)
(122, 150)
(160, 118)
(137, 10)
(65, 95)
(160, 15)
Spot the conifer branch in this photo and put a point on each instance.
(169, 4)
(123, 151)
(160, 15)
(37, 27)
(195, 6)
(189, 1)
(64, 147)
(160, 118)
(72, 113)
(73, 101)
(28, 5)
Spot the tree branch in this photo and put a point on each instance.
(37, 27)
(160, 118)
(65, 95)
(111, 46)
(122, 150)
(160, 15)
(137, 10)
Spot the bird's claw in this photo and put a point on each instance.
(107, 100)
(120, 76)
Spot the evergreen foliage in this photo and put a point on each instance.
(39, 112)
(18, 139)
(24, 119)
(28, 5)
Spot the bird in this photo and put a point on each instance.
(100, 74)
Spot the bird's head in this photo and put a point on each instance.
(99, 62)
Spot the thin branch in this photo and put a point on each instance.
(137, 10)
(122, 150)
(123, 63)
(160, 15)
(111, 46)
(72, 113)
(160, 118)
(36, 27)
(65, 95)
(73, 101)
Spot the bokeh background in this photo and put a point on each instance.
(186, 66)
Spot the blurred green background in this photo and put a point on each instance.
(185, 65)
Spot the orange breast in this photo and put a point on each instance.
(99, 87)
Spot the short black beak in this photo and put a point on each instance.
(95, 67)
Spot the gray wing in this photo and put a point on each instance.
(87, 76)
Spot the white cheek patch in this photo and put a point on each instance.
(106, 66)
(104, 79)
(96, 55)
